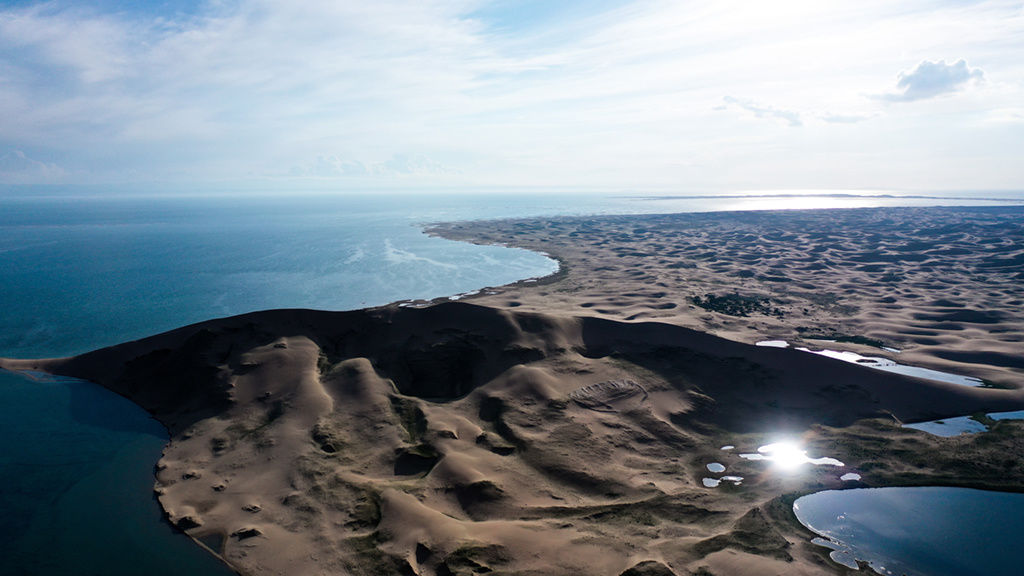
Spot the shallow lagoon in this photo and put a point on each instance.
(790, 456)
(922, 531)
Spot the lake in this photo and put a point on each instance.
(76, 468)
(923, 531)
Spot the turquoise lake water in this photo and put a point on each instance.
(79, 273)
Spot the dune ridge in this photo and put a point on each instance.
(564, 426)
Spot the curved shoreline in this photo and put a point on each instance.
(852, 525)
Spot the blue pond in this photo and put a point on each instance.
(919, 531)
(958, 425)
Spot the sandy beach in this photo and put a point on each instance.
(565, 425)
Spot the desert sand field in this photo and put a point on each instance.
(566, 425)
(945, 286)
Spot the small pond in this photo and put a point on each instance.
(948, 427)
(919, 531)
(714, 482)
(884, 364)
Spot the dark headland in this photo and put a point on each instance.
(564, 426)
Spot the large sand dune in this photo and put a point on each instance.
(460, 438)
(565, 426)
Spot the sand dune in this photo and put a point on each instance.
(458, 438)
(565, 426)
(943, 285)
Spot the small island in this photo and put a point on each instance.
(570, 424)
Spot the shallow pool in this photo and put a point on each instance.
(948, 427)
(884, 364)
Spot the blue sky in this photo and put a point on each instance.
(649, 95)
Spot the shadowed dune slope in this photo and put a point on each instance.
(446, 351)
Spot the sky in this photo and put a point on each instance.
(672, 96)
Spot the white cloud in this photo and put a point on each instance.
(931, 79)
(91, 48)
(1006, 116)
(17, 168)
(844, 118)
(761, 111)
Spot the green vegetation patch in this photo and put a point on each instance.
(737, 305)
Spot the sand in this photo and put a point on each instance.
(945, 286)
(564, 426)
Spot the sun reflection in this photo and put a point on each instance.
(785, 455)
(788, 456)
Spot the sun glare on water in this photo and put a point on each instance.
(784, 455)
(788, 456)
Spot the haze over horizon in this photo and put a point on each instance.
(644, 95)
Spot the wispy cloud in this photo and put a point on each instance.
(761, 111)
(931, 79)
(1006, 116)
(397, 165)
(17, 168)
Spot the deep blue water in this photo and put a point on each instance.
(76, 471)
(920, 531)
(79, 273)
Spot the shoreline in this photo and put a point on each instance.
(567, 306)
(993, 357)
